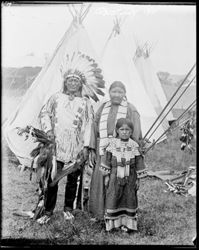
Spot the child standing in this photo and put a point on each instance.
(120, 167)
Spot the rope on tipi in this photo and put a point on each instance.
(186, 77)
(171, 107)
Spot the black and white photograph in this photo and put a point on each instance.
(98, 123)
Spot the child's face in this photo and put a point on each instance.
(124, 132)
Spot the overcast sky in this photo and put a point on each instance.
(37, 29)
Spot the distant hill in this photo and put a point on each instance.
(174, 80)
(170, 84)
(15, 82)
(187, 98)
(18, 80)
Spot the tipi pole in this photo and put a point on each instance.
(184, 121)
(81, 10)
(85, 12)
(69, 8)
(122, 21)
(172, 107)
(169, 101)
(193, 104)
(116, 22)
(107, 42)
(179, 118)
(169, 128)
(76, 12)
(179, 125)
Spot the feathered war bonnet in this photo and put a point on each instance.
(87, 71)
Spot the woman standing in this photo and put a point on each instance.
(105, 120)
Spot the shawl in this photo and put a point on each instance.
(122, 112)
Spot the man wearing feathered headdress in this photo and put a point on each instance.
(67, 118)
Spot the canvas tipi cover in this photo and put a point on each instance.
(48, 82)
(118, 65)
(152, 85)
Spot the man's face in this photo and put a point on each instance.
(116, 95)
(73, 84)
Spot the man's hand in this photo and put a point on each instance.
(51, 135)
(85, 153)
(89, 170)
(92, 158)
(106, 180)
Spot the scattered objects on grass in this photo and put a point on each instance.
(183, 184)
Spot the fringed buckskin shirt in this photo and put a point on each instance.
(71, 122)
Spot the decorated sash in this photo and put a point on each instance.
(78, 116)
(122, 112)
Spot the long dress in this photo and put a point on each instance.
(97, 188)
(121, 160)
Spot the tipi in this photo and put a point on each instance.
(152, 85)
(117, 64)
(46, 83)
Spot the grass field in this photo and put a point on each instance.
(164, 218)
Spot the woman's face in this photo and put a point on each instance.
(124, 132)
(72, 84)
(116, 95)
